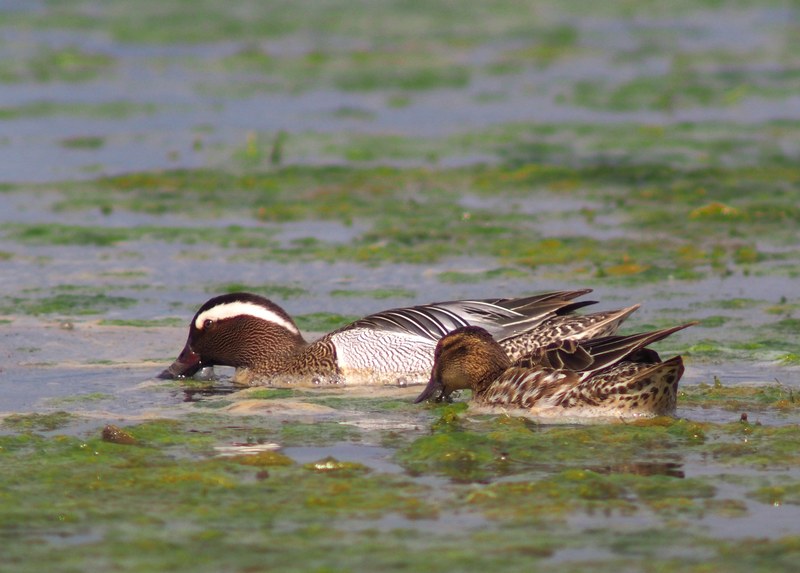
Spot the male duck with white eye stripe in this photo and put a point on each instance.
(395, 347)
(605, 378)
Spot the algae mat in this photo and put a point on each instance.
(346, 157)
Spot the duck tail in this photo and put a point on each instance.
(610, 350)
(628, 389)
(653, 390)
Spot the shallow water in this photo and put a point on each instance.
(185, 95)
(549, 149)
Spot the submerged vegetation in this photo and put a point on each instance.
(65, 304)
(701, 221)
(504, 475)
(349, 155)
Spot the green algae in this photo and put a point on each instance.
(737, 398)
(790, 359)
(473, 450)
(69, 64)
(323, 321)
(232, 236)
(439, 228)
(759, 446)
(264, 459)
(374, 293)
(142, 323)
(778, 494)
(79, 399)
(68, 235)
(279, 290)
(589, 491)
(459, 277)
(701, 244)
(218, 504)
(413, 79)
(763, 345)
(66, 304)
(369, 405)
(44, 108)
(38, 422)
(116, 474)
(320, 432)
(270, 393)
(683, 88)
(692, 200)
(83, 142)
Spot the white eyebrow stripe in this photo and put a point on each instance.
(239, 308)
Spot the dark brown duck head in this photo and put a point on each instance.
(239, 330)
(467, 358)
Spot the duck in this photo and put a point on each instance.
(610, 377)
(392, 347)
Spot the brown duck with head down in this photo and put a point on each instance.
(609, 377)
(396, 346)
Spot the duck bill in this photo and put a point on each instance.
(187, 364)
(433, 388)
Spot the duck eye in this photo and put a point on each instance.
(208, 323)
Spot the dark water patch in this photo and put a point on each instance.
(200, 392)
(83, 142)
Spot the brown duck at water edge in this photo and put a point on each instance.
(396, 346)
(609, 377)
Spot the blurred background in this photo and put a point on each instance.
(343, 157)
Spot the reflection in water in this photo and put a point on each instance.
(671, 469)
(197, 394)
(245, 449)
(505, 465)
(206, 384)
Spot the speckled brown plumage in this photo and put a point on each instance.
(629, 388)
(313, 365)
(566, 327)
(612, 376)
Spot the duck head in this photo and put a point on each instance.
(239, 330)
(467, 357)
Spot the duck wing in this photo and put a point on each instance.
(503, 318)
(520, 304)
(562, 326)
(525, 387)
(592, 356)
